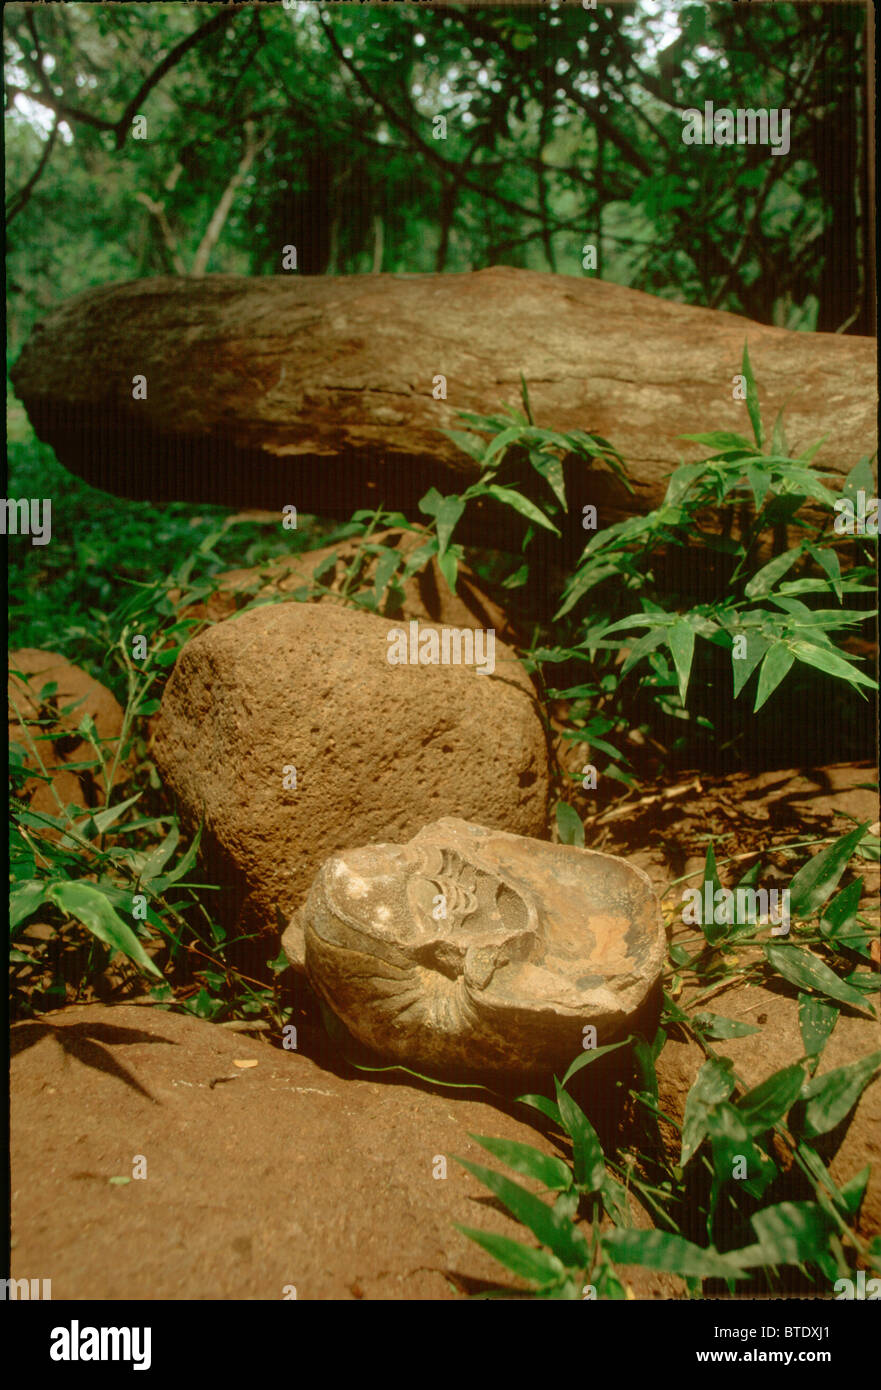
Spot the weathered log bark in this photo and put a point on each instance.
(318, 391)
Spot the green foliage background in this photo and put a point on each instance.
(564, 128)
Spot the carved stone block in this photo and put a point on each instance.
(470, 949)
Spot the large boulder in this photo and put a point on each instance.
(319, 391)
(180, 1160)
(289, 730)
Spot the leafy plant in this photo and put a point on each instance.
(761, 617)
(729, 1131)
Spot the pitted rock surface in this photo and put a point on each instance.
(379, 749)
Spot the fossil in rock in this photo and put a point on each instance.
(477, 950)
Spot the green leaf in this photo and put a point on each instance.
(817, 879)
(430, 502)
(839, 919)
(448, 564)
(662, 1250)
(419, 557)
(558, 1235)
(447, 515)
(539, 1266)
(588, 1159)
(721, 440)
(524, 396)
(854, 1190)
(531, 1162)
(583, 581)
(183, 866)
(469, 443)
(89, 905)
(752, 397)
(515, 434)
(680, 640)
(816, 1019)
(763, 580)
(155, 862)
(325, 567)
(544, 1105)
(768, 1102)
(775, 666)
(644, 1058)
(830, 1097)
(549, 467)
(512, 498)
(828, 560)
(791, 1232)
(569, 825)
(759, 481)
(24, 900)
(681, 480)
(713, 931)
(517, 579)
(742, 667)
(861, 478)
(807, 971)
(731, 1143)
(643, 646)
(778, 435)
(385, 567)
(589, 1055)
(717, 1026)
(167, 657)
(829, 661)
(714, 1083)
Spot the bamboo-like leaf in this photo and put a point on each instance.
(545, 1107)
(714, 1083)
(742, 667)
(830, 1097)
(539, 1266)
(557, 1234)
(816, 1020)
(775, 666)
(569, 825)
(807, 971)
(792, 1232)
(531, 1162)
(680, 640)
(817, 880)
(763, 580)
(663, 1250)
(89, 905)
(512, 498)
(752, 397)
(588, 1158)
(829, 661)
(589, 1055)
(24, 900)
(768, 1102)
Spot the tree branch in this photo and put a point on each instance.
(221, 212)
(158, 211)
(19, 200)
(119, 128)
(171, 59)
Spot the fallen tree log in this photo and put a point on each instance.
(319, 391)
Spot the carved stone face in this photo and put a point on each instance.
(474, 949)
